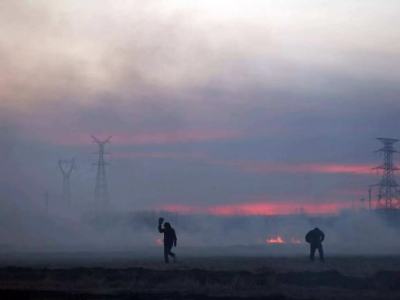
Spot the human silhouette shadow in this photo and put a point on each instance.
(315, 238)
(170, 239)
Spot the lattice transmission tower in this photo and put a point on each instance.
(388, 188)
(66, 166)
(101, 188)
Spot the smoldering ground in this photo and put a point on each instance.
(348, 233)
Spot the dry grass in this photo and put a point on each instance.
(291, 277)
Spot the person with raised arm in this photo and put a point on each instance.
(170, 239)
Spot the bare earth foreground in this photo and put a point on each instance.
(122, 276)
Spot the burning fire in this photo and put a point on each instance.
(277, 240)
(280, 240)
(159, 241)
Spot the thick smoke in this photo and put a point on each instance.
(66, 230)
(143, 70)
(347, 233)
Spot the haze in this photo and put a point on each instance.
(215, 107)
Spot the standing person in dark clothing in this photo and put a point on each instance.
(315, 238)
(169, 239)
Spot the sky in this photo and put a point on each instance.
(219, 107)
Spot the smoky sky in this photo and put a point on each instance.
(210, 103)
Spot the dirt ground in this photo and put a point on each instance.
(122, 276)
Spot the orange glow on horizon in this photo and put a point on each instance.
(263, 167)
(339, 168)
(158, 155)
(259, 208)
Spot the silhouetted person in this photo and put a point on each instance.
(315, 237)
(169, 239)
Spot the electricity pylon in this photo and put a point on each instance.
(101, 188)
(66, 166)
(388, 191)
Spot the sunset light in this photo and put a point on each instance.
(200, 149)
(266, 209)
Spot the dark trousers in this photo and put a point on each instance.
(167, 252)
(313, 248)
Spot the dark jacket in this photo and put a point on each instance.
(169, 235)
(315, 237)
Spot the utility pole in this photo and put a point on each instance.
(370, 196)
(101, 189)
(66, 166)
(46, 201)
(388, 191)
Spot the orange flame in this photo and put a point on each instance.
(280, 240)
(277, 240)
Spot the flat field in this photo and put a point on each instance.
(125, 276)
